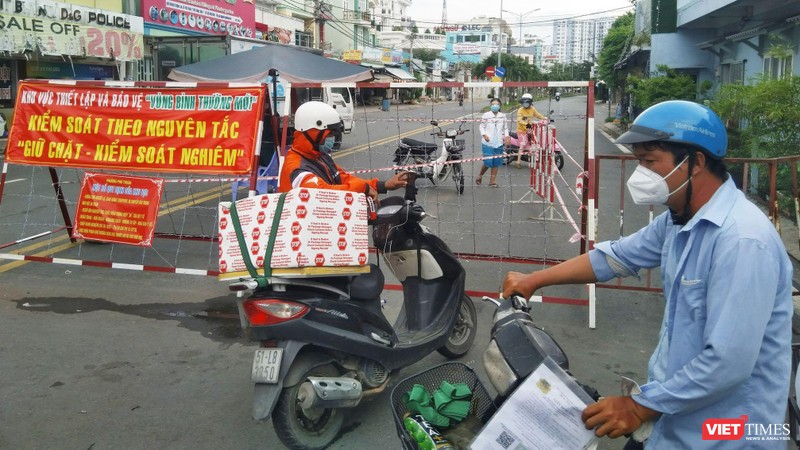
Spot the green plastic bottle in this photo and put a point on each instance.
(424, 434)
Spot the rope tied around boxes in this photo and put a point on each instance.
(270, 244)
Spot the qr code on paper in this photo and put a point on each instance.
(505, 439)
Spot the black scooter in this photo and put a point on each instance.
(516, 349)
(325, 343)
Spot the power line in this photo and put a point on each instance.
(543, 21)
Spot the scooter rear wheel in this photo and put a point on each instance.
(301, 429)
(559, 160)
(463, 333)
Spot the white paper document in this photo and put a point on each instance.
(543, 413)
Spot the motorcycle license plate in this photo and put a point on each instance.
(266, 365)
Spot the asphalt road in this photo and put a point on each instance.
(98, 358)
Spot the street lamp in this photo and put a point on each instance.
(521, 16)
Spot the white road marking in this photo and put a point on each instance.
(621, 147)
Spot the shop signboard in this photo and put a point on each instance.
(234, 17)
(59, 29)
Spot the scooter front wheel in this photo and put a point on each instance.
(313, 428)
(458, 177)
(463, 333)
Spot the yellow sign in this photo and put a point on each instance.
(351, 55)
(496, 79)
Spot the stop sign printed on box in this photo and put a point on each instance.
(305, 225)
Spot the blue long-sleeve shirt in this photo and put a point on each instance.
(724, 348)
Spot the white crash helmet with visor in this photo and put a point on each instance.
(316, 115)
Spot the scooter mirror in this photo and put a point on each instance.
(434, 123)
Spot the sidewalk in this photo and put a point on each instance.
(788, 234)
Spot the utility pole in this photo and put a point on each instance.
(500, 37)
(500, 45)
(411, 53)
(321, 14)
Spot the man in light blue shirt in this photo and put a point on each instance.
(724, 346)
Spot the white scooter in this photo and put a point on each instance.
(420, 155)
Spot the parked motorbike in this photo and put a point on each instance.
(325, 342)
(512, 148)
(413, 152)
(558, 96)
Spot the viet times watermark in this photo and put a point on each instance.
(740, 429)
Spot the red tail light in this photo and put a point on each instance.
(273, 311)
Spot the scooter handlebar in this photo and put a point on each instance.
(517, 302)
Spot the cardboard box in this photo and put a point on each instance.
(321, 232)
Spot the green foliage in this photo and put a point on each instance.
(763, 117)
(415, 30)
(426, 54)
(614, 46)
(669, 85)
(517, 68)
(570, 72)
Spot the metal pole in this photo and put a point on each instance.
(500, 46)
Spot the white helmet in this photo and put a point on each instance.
(316, 115)
(526, 97)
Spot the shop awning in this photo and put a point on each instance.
(371, 65)
(294, 64)
(400, 74)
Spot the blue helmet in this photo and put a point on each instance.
(679, 121)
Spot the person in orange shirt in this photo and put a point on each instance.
(309, 164)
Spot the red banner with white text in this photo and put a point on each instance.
(118, 208)
(165, 129)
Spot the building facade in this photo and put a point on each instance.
(722, 41)
(576, 41)
(78, 40)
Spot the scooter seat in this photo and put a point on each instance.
(416, 145)
(367, 286)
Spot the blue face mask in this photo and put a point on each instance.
(495, 108)
(327, 145)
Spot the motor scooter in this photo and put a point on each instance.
(411, 152)
(516, 349)
(512, 147)
(325, 343)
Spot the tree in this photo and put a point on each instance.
(426, 54)
(570, 72)
(517, 68)
(666, 85)
(763, 118)
(615, 45)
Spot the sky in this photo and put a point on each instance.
(428, 12)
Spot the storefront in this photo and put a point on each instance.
(47, 39)
(182, 32)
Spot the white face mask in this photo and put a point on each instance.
(649, 188)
